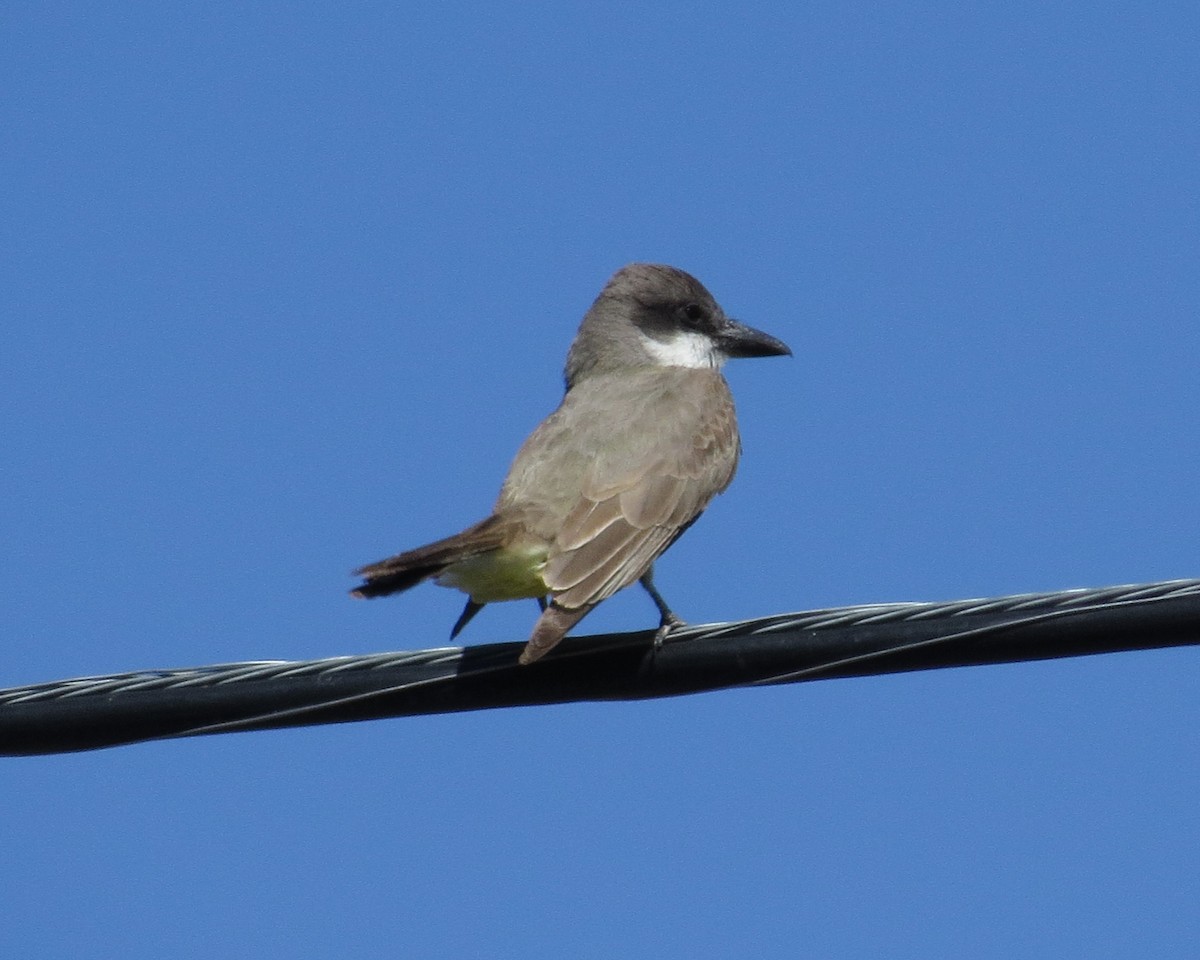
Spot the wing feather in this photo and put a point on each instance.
(637, 498)
(602, 553)
(619, 570)
(588, 520)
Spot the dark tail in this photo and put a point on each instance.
(408, 569)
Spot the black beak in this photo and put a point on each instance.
(738, 340)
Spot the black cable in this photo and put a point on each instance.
(95, 712)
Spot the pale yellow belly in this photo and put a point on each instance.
(500, 575)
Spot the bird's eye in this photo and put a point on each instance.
(693, 313)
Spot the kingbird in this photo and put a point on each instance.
(644, 438)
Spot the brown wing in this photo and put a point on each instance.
(639, 496)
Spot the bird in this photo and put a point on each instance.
(643, 440)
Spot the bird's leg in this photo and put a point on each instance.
(668, 620)
(464, 618)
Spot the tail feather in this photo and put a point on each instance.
(411, 567)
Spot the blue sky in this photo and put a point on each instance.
(285, 286)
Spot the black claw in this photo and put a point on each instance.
(464, 618)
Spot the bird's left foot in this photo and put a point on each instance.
(669, 622)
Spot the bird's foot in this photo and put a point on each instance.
(669, 622)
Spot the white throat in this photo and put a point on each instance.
(685, 349)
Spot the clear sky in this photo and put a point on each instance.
(285, 285)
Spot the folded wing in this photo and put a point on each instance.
(635, 505)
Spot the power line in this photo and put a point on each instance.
(94, 712)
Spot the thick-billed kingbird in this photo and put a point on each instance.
(644, 438)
